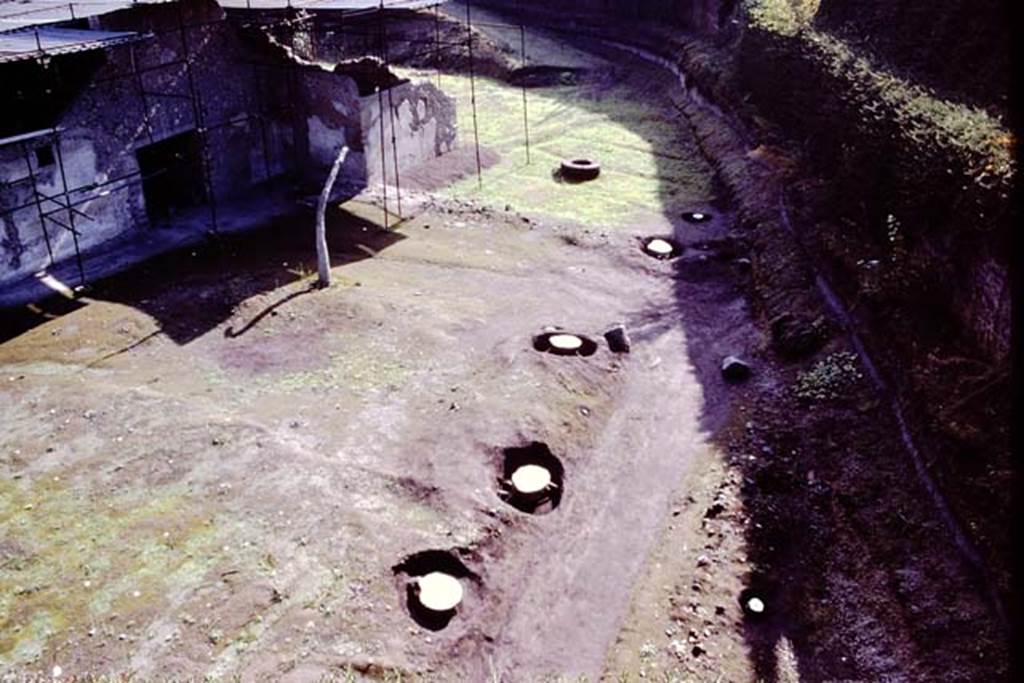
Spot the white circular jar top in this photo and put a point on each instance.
(531, 479)
(565, 342)
(439, 592)
(660, 247)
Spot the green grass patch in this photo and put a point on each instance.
(650, 164)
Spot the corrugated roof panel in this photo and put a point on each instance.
(16, 15)
(313, 5)
(50, 40)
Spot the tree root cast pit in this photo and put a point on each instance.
(662, 248)
(437, 586)
(562, 343)
(697, 217)
(532, 478)
(759, 600)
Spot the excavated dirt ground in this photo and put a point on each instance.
(211, 470)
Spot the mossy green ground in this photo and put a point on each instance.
(649, 165)
(68, 565)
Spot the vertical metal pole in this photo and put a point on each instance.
(142, 93)
(261, 117)
(380, 119)
(67, 193)
(71, 214)
(39, 204)
(391, 116)
(472, 94)
(290, 86)
(197, 115)
(437, 43)
(526, 118)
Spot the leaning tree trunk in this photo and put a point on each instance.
(323, 259)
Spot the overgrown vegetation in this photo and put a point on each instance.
(944, 157)
(906, 206)
(830, 378)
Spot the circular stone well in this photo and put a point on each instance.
(563, 343)
(531, 479)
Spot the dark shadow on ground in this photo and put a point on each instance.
(846, 545)
(192, 290)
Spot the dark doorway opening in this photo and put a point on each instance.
(172, 175)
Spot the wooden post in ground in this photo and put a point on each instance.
(323, 259)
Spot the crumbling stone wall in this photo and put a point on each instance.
(235, 80)
(422, 119)
(329, 120)
(110, 119)
(263, 107)
(16, 192)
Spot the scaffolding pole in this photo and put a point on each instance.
(71, 215)
(437, 43)
(142, 92)
(197, 114)
(472, 94)
(38, 202)
(526, 118)
(380, 117)
(391, 117)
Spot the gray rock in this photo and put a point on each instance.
(618, 339)
(734, 369)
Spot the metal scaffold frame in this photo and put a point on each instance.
(68, 216)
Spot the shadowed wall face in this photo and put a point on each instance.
(200, 110)
(705, 16)
(116, 152)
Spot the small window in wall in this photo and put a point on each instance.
(172, 175)
(44, 156)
